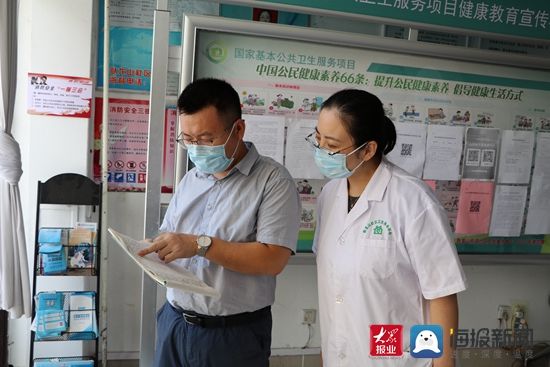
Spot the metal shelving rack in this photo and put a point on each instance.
(71, 190)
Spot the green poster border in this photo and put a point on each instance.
(411, 13)
(472, 244)
(457, 76)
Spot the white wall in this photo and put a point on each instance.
(56, 37)
(493, 285)
(126, 215)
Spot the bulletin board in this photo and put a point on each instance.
(490, 113)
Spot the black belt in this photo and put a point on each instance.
(208, 321)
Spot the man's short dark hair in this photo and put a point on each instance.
(207, 92)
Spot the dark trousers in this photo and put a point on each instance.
(180, 344)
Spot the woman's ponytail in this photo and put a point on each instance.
(390, 134)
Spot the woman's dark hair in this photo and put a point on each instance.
(364, 118)
(208, 92)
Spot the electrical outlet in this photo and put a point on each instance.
(504, 312)
(309, 316)
(519, 308)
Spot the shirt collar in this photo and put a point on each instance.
(244, 166)
(379, 182)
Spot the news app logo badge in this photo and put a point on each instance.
(426, 341)
(386, 340)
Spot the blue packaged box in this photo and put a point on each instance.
(63, 363)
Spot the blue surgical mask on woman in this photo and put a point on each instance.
(211, 159)
(334, 165)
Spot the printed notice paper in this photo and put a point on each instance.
(443, 151)
(508, 210)
(167, 275)
(516, 156)
(57, 95)
(299, 154)
(268, 135)
(474, 207)
(542, 156)
(410, 148)
(480, 153)
(538, 214)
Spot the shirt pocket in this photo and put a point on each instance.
(376, 258)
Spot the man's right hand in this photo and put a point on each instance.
(171, 246)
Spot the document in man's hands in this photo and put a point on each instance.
(167, 275)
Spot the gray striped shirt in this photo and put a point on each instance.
(256, 201)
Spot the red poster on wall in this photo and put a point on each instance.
(59, 95)
(169, 155)
(127, 153)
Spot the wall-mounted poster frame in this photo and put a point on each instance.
(282, 66)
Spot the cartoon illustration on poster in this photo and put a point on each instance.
(310, 105)
(436, 116)
(523, 122)
(461, 118)
(484, 119)
(410, 113)
(281, 103)
(544, 124)
(388, 110)
(252, 102)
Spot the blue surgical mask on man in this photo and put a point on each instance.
(211, 159)
(334, 165)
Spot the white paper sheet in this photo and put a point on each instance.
(168, 275)
(508, 210)
(538, 215)
(409, 152)
(516, 156)
(542, 155)
(443, 151)
(299, 154)
(267, 133)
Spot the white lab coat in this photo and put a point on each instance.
(379, 263)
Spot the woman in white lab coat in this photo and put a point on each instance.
(385, 251)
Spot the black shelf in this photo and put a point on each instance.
(73, 190)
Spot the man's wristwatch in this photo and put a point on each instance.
(203, 244)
